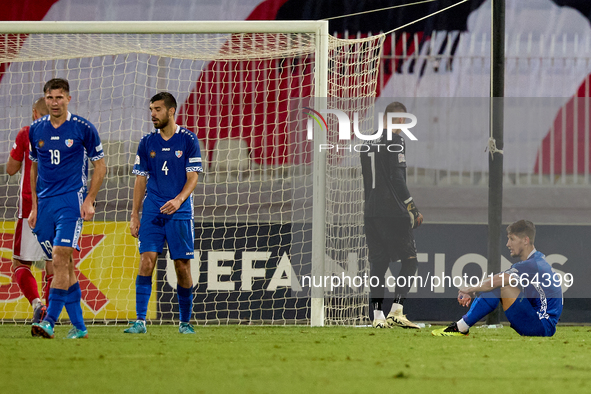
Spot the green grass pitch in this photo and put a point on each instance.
(294, 359)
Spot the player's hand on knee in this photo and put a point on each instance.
(416, 218)
(465, 298)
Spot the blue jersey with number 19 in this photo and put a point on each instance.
(62, 154)
(166, 163)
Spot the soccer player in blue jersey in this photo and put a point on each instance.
(167, 165)
(529, 291)
(61, 144)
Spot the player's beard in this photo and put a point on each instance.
(161, 123)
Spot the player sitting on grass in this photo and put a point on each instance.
(529, 291)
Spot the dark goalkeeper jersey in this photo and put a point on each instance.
(383, 165)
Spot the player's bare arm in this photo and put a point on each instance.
(139, 191)
(100, 169)
(33, 215)
(12, 166)
(465, 295)
(173, 205)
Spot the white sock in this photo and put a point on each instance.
(35, 302)
(463, 326)
(378, 315)
(395, 307)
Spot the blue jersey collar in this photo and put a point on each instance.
(531, 254)
(178, 129)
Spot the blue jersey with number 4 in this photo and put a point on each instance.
(540, 285)
(62, 154)
(166, 163)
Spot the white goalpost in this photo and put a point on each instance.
(271, 206)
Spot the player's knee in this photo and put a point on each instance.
(182, 268)
(147, 263)
(61, 257)
(510, 292)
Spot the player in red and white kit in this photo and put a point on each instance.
(25, 248)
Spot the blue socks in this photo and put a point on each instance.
(73, 306)
(143, 290)
(484, 304)
(71, 299)
(57, 300)
(185, 297)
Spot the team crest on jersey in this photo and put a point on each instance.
(152, 154)
(41, 143)
(178, 153)
(69, 143)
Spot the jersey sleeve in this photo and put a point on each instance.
(92, 143)
(398, 183)
(140, 166)
(397, 170)
(20, 148)
(522, 269)
(193, 161)
(33, 148)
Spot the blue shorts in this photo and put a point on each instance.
(525, 320)
(178, 234)
(59, 222)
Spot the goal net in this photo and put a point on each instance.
(242, 88)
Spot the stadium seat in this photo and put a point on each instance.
(203, 176)
(455, 180)
(421, 176)
(570, 179)
(229, 160)
(268, 172)
(130, 154)
(113, 159)
(535, 179)
(4, 177)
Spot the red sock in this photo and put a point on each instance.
(46, 286)
(26, 281)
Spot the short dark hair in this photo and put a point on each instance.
(395, 107)
(57, 83)
(169, 100)
(523, 228)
